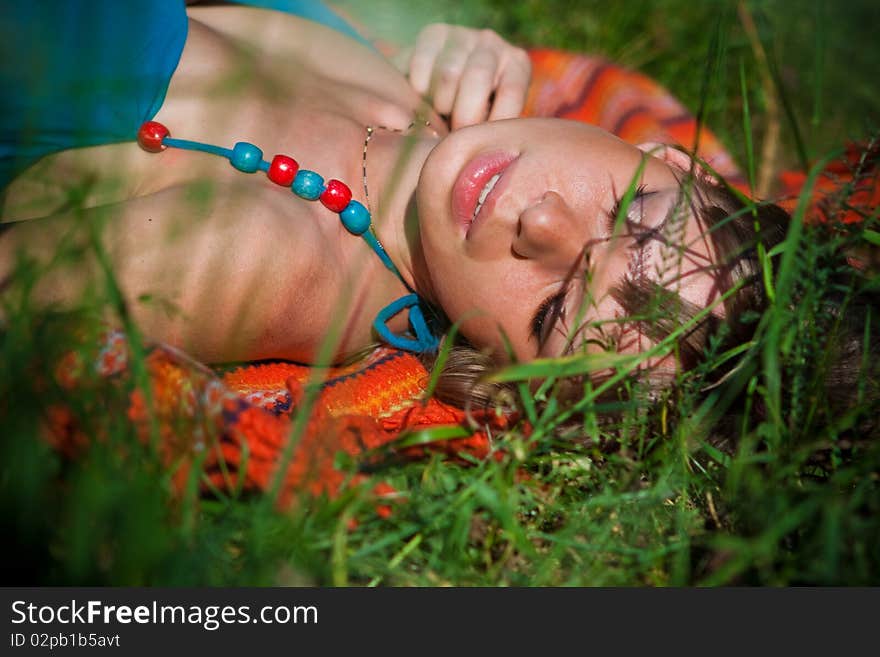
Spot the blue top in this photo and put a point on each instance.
(89, 72)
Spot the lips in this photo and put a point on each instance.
(471, 183)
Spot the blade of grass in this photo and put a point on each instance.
(747, 127)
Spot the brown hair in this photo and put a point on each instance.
(735, 232)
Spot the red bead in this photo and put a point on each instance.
(337, 196)
(283, 170)
(150, 136)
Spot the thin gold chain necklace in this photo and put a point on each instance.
(370, 130)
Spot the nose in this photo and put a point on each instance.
(550, 231)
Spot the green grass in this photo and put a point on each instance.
(618, 493)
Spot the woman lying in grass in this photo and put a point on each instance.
(539, 237)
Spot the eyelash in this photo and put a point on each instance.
(641, 190)
(552, 305)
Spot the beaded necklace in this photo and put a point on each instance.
(335, 195)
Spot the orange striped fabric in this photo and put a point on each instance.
(626, 103)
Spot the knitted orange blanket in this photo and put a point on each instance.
(236, 424)
(240, 425)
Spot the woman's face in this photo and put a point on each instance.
(539, 246)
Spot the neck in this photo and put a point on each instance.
(393, 164)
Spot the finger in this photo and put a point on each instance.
(475, 88)
(510, 96)
(446, 78)
(429, 45)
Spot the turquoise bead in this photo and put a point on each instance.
(246, 157)
(308, 185)
(356, 218)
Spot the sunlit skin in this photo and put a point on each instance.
(253, 272)
(547, 227)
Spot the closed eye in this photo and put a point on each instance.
(619, 213)
(548, 313)
(552, 309)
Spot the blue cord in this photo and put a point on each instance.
(248, 158)
(425, 340)
(188, 145)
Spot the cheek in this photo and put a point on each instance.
(495, 289)
(704, 290)
(491, 309)
(463, 290)
(707, 284)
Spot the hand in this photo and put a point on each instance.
(471, 75)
